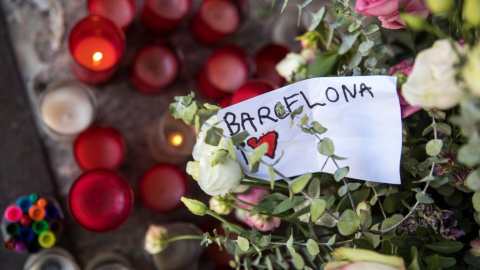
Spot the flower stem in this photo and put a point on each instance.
(232, 227)
(183, 237)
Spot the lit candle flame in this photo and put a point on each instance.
(176, 139)
(97, 57)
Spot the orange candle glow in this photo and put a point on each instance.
(96, 45)
(176, 139)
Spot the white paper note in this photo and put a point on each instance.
(362, 115)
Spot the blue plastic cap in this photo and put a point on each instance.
(24, 203)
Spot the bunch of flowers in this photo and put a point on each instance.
(324, 221)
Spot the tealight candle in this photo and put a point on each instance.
(100, 200)
(155, 67)
(162, 187)
(121, 12)
(267, 59)
(170, 140)
(163, 16)
(215, 20)
(226, 70)
(251, 89)
(66, 109)
(99, 147)
(96, 45)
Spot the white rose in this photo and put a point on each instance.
(471, 71)
(203, 149)
(155, 239)
(432, 83)
(219, 179)
(289, 65)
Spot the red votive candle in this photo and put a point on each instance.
(155, 67)
(96, 45)
(121, 12)
(252, 89)
(99, 147)
(225, 71)
(163, 16)
(162, 187)
(215, 20)
(100, 200)
(266, 61)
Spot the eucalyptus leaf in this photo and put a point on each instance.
(299, 183)
(424, 198)
(317, 18)
(213, 136)
(473, 180)
(314, 188)
(257, 154)
(341, 173)
(243, 243)
(322, 65)
(317, 208)
(298, 261)
(372, 28)
(239, 137)
(342, 191)
(331, 241)
(326, 147)
(318, 128)
(434, 147)
(365, 47)
(354, 26)
(347, 42)
(348, 223)
(265, 240)
(445, 247)
(312, 247)
(443, 262)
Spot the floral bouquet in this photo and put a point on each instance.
(325, 221)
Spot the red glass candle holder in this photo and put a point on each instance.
(163, 16)
(266, 61)
(155, 67)
(225, 71)
(162, 187)
(252, 89)
(96, 45)
(100, 200)
(121, 12)
(99, 147)
(216, 19)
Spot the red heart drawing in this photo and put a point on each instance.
(270, 137)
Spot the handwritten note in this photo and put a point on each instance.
(362, 115)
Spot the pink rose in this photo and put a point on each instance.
(377, 7)
(262, 222)
(404, 67)
(394, 20)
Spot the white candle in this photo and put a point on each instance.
(67, 109)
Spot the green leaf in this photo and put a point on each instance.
(280, 110)
(312, 247)
(354, 186)
(317, 18)
(331, 241)
(365, 218)
(393, 203)
(239, 137)
(443, 128)
(341, 173)
(390, 222)
(342, 190)
(213, 136)
(363, 244)
(326, 147)
(271, 172)
(298, 261)
(297, 111)
(415, 265)
(348, 223)
(299, 183)
(318, 128)
(189, 113)
(317, 208)
(424, 198)
(473, 180)
(287, 204)
(476, 201)
(314, 188)
(243, 243)
(322, 65)
(372, 28)
(289, 244)
(468, 155)
(434, 147)
(347, 43)
(406, 241)
(257, 154)
(231, 148)
(218, 157)
(265, 240)
(354, 26)
(303, 121)
(445, 247)
(443, 262)
(366, 47)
